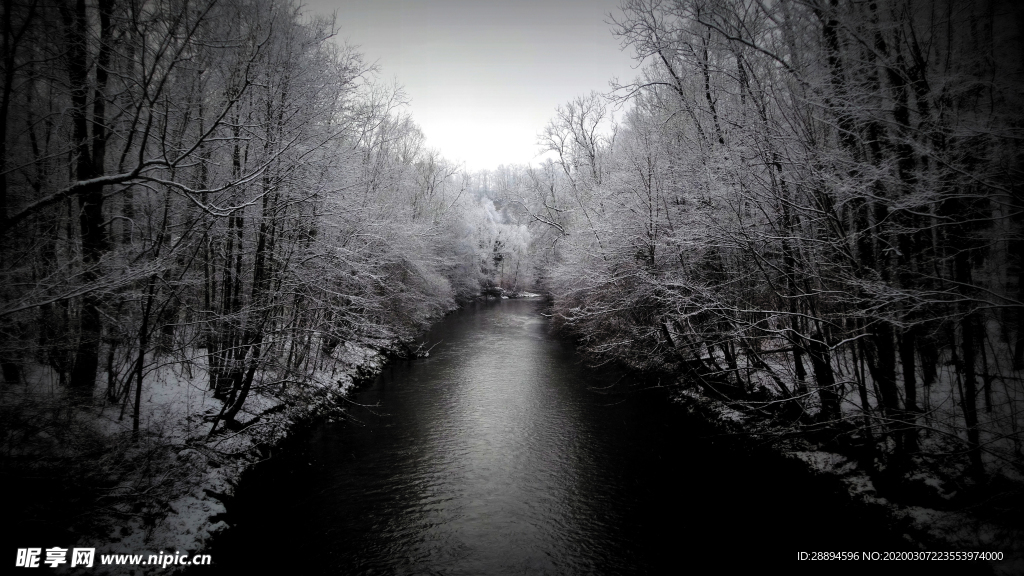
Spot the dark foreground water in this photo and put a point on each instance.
(500, 454)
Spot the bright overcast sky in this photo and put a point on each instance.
(484, 77)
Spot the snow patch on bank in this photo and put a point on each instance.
(931, 529)
(188, 474)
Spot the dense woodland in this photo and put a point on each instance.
(215, 182)
(813, 208)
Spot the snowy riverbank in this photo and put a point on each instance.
(164, 490)
(929, 511)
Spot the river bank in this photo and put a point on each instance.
(938, 510)
(161, 492)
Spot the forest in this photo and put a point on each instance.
(812, 208)
(811, 211)
(214, 192)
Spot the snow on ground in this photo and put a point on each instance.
(186, 475)
(220, 461)
(827, 462)
(938, 530)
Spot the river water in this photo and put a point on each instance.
(501, 454)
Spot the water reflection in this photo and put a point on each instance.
(496, 482)
(483, 458)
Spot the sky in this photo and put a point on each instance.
(483, 77)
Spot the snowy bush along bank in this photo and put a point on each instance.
(809, 208)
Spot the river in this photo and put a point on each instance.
(501, 454)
